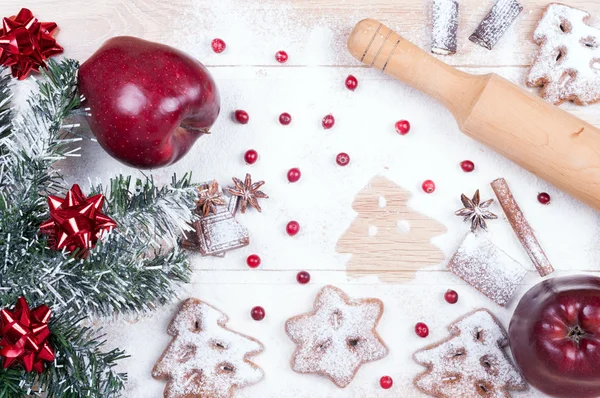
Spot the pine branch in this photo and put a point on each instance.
(5, 97)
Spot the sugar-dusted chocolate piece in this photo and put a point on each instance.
(205, 358)
(487, 268)
(521, 227)
(216, 234)
(496, 23)
(337, 337)
(471, 362)
(567, 65)
(444, 27)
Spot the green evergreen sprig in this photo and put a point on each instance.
(134, 269)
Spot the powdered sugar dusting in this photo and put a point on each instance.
(487, 268)
(444, 26)
(569, 51)
(337, 337)
(205, 358)
(470, 361)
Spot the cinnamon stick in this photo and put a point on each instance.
(521, 227)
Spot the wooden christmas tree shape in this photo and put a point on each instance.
(568, 62)
(388, 238)
(471, 362)
(204, 358)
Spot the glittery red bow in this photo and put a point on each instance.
(25, 43)
(76, 221)
(24, 336)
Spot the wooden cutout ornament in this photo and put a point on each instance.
(387, 238)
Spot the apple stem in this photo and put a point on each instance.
(576, 333)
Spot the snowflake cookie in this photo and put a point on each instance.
(568, 62)
(337, 337)
(205, 358)
(471, 362)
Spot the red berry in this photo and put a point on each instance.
(386, 382)
(303, 277)
(328, 122)
(428, 186)
(342, 159)
(241, 116)
(292, 228)
(281, 56)
(421, 330)
(294, 174)
(257, 313)
(402, 127)
(253, 261)
(251, 156)
(285, 118)
(543, 198)
(351, 83)
(467, 166)
(451, 296)
(218, 46)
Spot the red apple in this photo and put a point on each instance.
(555, 336)
(148, 102)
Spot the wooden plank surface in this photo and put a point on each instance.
(249, 65)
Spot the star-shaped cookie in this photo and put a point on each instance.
(337, 337)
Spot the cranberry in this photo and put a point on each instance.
(253, 261)
(328, 122)
(467, 166)
(257, 313)
(351, 83)
(294, 174)
(303, 277)
(218, 45)
(251, 156)
(285, 118)
(421, 330)
(428, 186)
(241, 116)
(451, 296)
(386, 382)
(292, 228)
(342, 159)
(402, 127)
(543, 198)
(281, 56)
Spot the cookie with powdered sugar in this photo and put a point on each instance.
(337, 337)
(471, 362)
(205, 358)
(567, 65)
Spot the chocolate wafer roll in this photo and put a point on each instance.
(496, 23)
(444, 26)
(521, 227)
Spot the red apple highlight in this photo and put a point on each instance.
(555, 336)
(149, 102)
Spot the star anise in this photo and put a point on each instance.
(209, 198)
(475, 212)
(248, 192)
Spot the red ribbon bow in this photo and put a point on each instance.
(76, 221)
(24, 336)
(25, 43)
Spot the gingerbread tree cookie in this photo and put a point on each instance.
(205, 358)
(471, 362)
(387, 236)
(337, 337)
(568, 62)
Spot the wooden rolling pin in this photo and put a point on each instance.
(549, 142)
